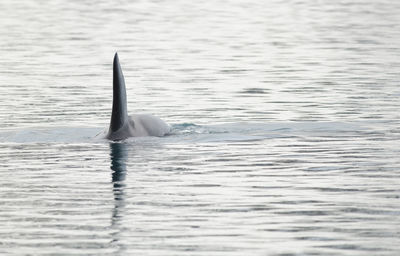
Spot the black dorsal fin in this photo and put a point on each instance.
(119, 114)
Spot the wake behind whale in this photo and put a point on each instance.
(191, 133)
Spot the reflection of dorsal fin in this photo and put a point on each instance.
(119, 114)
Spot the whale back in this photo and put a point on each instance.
(123, 126)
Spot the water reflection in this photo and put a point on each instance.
(118, 155)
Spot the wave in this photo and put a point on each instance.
(188, 132)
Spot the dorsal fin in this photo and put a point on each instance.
(119, 114)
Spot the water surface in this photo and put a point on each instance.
(285, 128)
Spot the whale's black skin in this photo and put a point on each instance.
(120, 109)
(123, 126)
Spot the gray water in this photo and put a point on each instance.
(285, 116)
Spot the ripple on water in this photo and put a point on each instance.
(285, 128)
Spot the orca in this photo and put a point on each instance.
(123, 126)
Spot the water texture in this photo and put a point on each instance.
(285, 117)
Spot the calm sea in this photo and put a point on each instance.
(285, 116)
